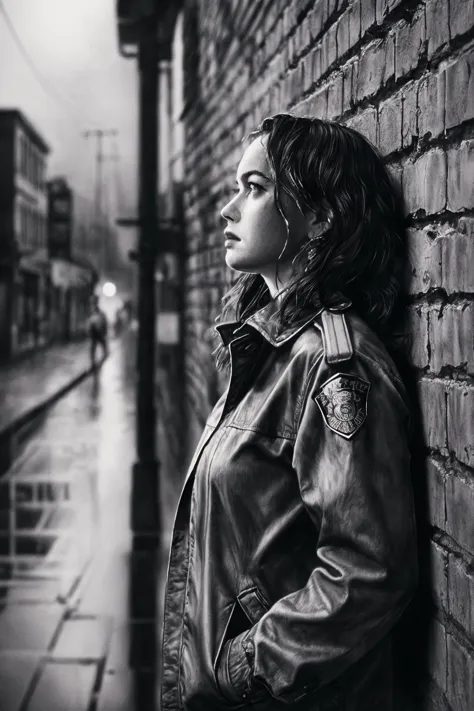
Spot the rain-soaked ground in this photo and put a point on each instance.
(78, 610)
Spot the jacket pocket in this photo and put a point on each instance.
(253, 604)
(249, 607)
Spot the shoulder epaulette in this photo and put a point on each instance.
(336, 338)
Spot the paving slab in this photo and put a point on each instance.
(64, 687)
(82, 640)
(34, 380)
(29, 627)
(133, 646)
(16, 674)
(128, 690)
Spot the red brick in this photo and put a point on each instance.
(331, 7)
(325, 53)
(450, 335)
(343, 35)
(418, 352)
(436, 494)
(460, 91)
(424, 183)
(460, 684)
(305, 33)
(331, 45)
(389, 58)
(317, 18)
(315, 105)
(347, 86)
(390, 125)
(431, 103)
(432, 395)
(409, 44)
(461, 427)
(365, 123)
(438, 559)
(308, 73)
(460, 172)
(410, 115)
(316, 64)
(375, 66)
(367, 15)
(458, 257)
(436, 651)
(385, 7)
(461, 17)
(354, 11)
(437, 25)
(335, 96)
(461, 594)
(395, 172)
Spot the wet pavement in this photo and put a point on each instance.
(78, 608)
(38, 376)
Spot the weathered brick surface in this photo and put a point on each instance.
(437, 655)
(433, 395)
(450, 331)
(461, 173)
(460, 686)
(460, 90)
(461, 422)
(461, 594)
(459, 508)
(424, 259)
(424, 183)
(400, 72)
(436, 494)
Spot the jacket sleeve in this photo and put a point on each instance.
(356, 488)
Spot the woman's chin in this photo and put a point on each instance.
(233, 262)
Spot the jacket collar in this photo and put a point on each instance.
(265, 321)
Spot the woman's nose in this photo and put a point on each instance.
(230, 211)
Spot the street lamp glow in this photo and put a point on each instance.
(109, 289)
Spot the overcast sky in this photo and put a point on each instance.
(85, 84)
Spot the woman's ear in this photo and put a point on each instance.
(319, 222)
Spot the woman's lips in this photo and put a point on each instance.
(230, 236)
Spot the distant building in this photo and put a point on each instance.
(24, 266)
(73, 275)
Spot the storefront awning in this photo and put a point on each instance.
(68, 275)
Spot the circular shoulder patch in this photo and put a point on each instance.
(343, 403)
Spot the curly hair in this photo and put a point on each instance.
(325, 165)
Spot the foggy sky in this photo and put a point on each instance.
(87, 84)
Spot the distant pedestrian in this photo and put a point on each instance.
(97, 329)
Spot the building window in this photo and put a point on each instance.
(23, 157)
(41, 173)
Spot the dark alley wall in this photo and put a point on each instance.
(402, 73)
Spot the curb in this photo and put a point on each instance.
(44, 404)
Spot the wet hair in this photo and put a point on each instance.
(333, 170)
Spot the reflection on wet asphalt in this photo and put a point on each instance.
(77, 607)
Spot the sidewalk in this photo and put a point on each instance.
(30, 385)
(84, 636)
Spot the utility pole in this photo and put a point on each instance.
(99, 134)
(145, 31)
(145, 512)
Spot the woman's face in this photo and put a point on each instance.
(256, 232)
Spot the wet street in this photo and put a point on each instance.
(78, 609)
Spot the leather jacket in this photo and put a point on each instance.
(293, 552)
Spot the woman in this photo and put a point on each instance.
(293, 551)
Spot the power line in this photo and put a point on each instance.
(40, 78)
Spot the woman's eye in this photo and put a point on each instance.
(254, 187)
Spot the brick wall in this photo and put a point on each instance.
(402, 73)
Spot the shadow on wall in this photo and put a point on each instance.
(411, 638)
